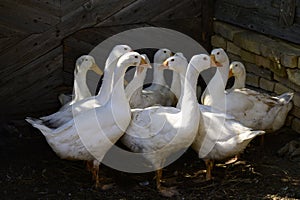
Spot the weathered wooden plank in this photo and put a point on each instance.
(7, 31)
(26, 51)
(183, 10)
(37, 89)
(92, 36)
(32, 73)
(287, 12)
(255, 21)
(207, 10)
(140, 11)
(68, 80)
(256, 10)
(31, 101)
(264, 7)
(38, 44)
(99, 9)
(190, 27)
(52, 7)
(7, 42)
(68, 6)
(25, 18)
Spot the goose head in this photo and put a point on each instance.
(85, 63)
(120, 50)
(115, 54)
(131, 59)
(161, 55)
(219, 56)
(141, 67)
(177, 63)
(202, 62)
(237, 69)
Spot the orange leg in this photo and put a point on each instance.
(158, 178)
(232, 160)
(209, 166)
(89, 165)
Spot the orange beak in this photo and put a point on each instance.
(213, 61)
(144, 63)
(165, 65)
(230, 74)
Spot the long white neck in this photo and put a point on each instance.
(107, 83)
(81, 89)
(118, 82)
(158, 76)
(214, 93)
(182, 79)
(239, 81)
(176, 85)
(118, 103)
(189, 107)
(135, 86)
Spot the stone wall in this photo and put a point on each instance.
(272, 65)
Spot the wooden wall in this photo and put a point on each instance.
(38, 38)
(279, 18)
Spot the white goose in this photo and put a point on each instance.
(66, 113)
(218, 82)
(90, 134)
(158, 131)
(219, 135)
(257, 110)
(158, 93)
(251, 108)
(81, 90)
(239, 75)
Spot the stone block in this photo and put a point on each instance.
(252, 79)
(278, 69)
(294, 75)
(287, 83)
(295, 111)
(270, 48)
(218, 41)
(226, 30)
(249, 41)
(247, 56)
(262, 61)
(296, 99)
(266, 84)
(290, 61)
(279, 88)
(232, 48)
(296, 125)
(233, 57)
(262, 72)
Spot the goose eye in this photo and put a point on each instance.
(165, 51)
(125, 49)
(204, 58)
(135, 56)
(218, 53)
(236, 65)
(86, 59)
(172, 60)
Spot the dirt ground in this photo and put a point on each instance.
(30, 170)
